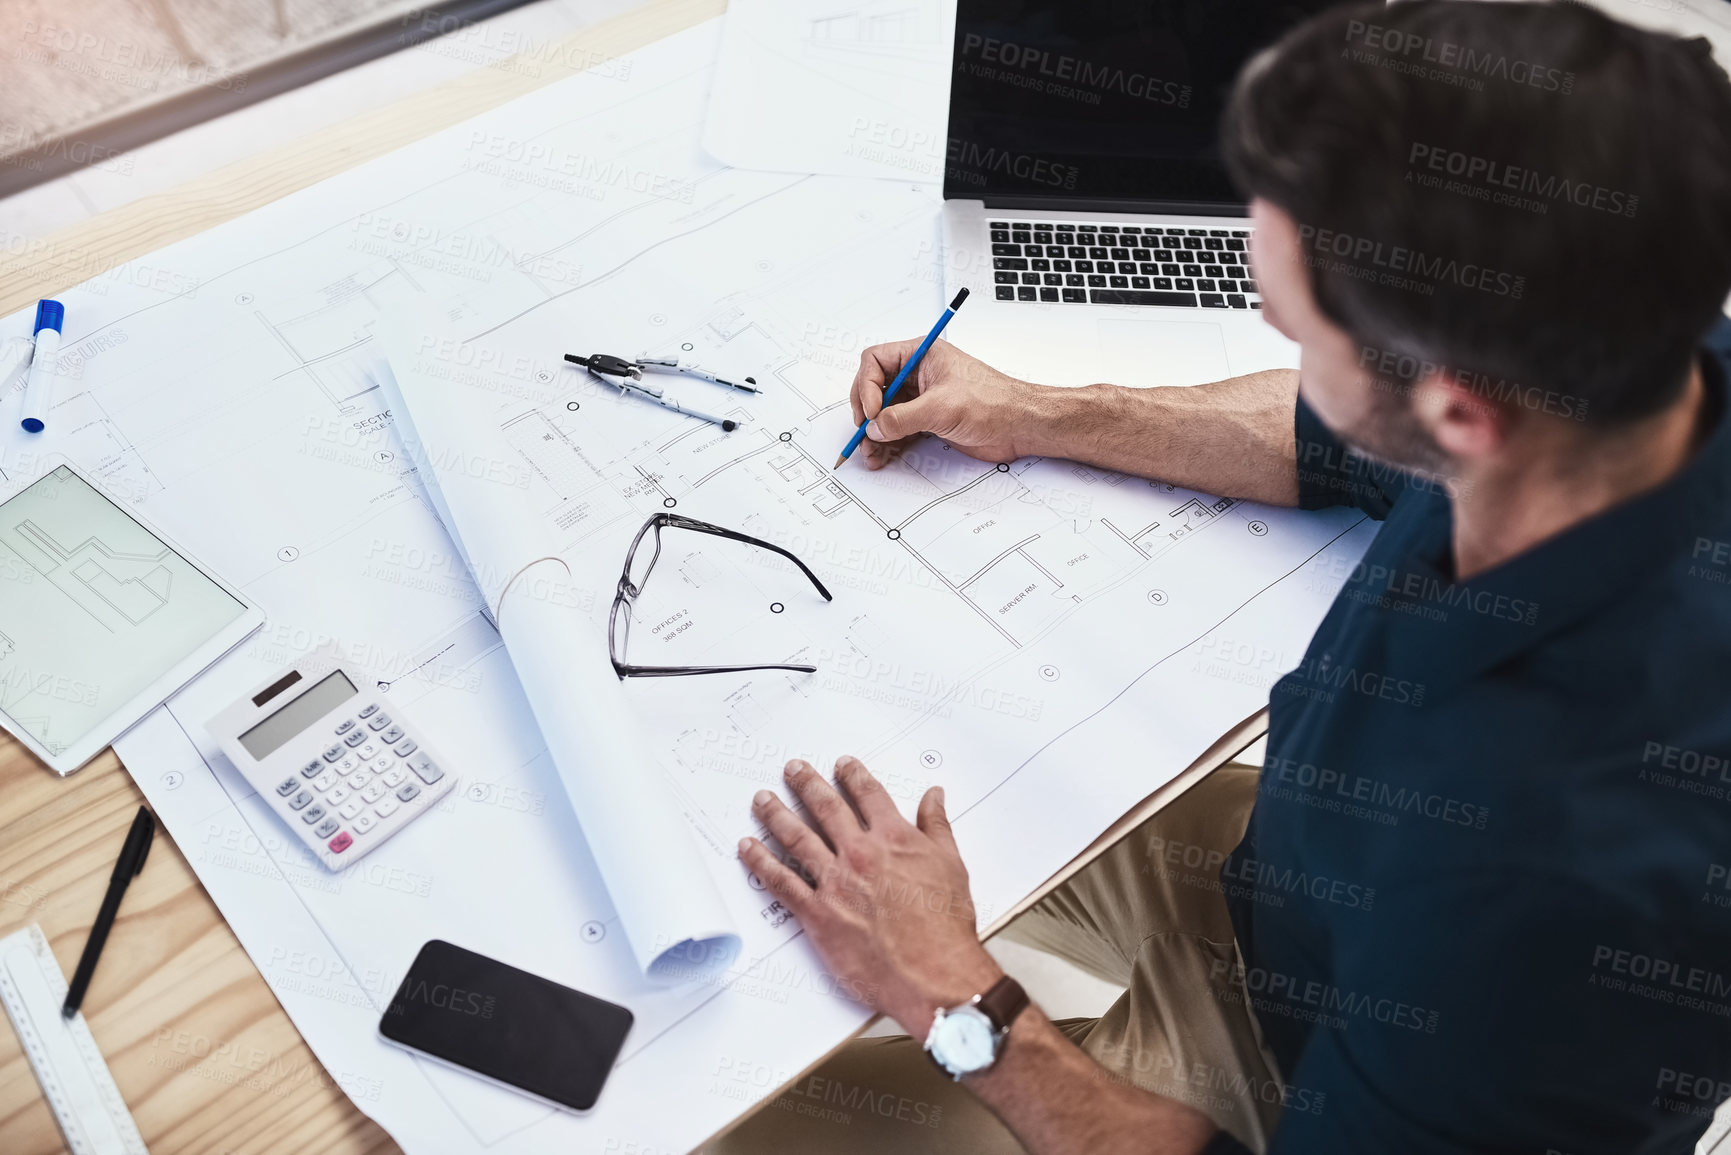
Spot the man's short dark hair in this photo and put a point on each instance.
(1533, 192)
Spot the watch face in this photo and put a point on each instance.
(964, 1040)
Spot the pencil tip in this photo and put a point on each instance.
(838, 462)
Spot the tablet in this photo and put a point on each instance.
(102, 618)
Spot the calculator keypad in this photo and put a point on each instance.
(364, 777)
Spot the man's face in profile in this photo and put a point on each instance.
(1373, 414)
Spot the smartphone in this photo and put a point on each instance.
(507, 1025)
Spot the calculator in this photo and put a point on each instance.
(343, 770)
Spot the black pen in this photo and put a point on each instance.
(131, 862)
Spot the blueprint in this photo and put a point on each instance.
(1048, 641)
(838, 87)
(669, 906)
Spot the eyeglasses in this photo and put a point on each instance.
(640, 563)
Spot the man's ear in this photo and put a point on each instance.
(1463, 424)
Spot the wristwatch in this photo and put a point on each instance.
(967, 1039)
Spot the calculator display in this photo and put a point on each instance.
(270, 734)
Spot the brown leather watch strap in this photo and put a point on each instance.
(1003, 1002)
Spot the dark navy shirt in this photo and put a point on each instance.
(1484, 899)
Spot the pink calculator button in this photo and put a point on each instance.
(342, 842)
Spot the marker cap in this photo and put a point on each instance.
(49, 315)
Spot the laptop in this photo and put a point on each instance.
(1086, 207)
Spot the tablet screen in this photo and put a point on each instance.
(94, 608)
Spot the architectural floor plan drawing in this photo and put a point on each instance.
(966, 590)
(887, 26)
(1027, 634)
(106, 583)
(93, 607)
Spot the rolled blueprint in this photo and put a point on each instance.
(672, 914)
(668, 904)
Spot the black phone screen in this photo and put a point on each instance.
(507, 1024)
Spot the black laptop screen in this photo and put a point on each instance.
(1108, 101)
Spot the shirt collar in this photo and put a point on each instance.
(1453, 631)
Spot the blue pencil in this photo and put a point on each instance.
(911, 364)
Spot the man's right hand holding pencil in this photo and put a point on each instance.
(984, 413)
(1232, 437)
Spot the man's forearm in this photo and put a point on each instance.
(1059, 1101)
(1232, 437)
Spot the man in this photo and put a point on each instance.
(1485, 912)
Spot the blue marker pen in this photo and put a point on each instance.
(39, 386)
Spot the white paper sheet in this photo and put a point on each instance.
(1049, 642)
(839, 87)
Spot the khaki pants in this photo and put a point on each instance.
(1147, 915)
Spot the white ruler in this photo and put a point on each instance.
(74, 1078)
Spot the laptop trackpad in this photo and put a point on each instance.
(1161, 352)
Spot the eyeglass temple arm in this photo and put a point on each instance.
(719, 531)
(625, 670)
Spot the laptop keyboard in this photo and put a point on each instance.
(1105, 264)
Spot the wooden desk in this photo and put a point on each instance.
(203, 1054)
(99, 244)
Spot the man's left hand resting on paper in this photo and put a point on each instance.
(885, 900)
(887, 906)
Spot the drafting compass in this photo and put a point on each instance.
(628, 377)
